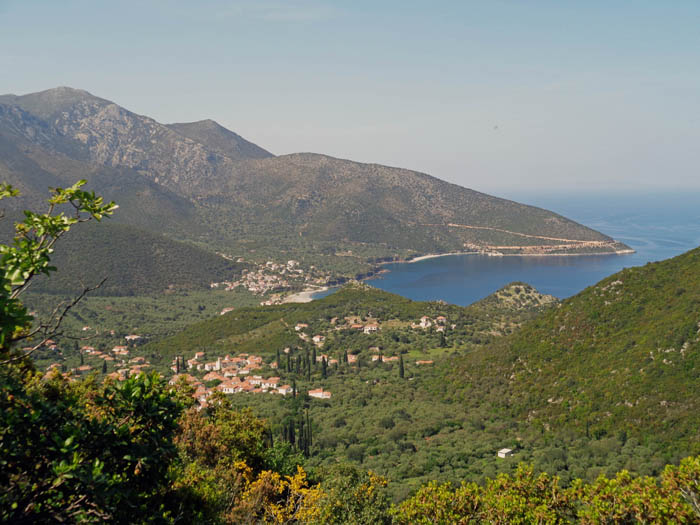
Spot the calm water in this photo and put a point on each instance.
(657, 226)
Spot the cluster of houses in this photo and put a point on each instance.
(272, 276)
(117, 356)
(426, 322)
(233, 375)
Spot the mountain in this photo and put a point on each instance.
(620, 358)
(204, 184)
(220, 140)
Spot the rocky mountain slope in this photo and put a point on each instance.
(203, 183)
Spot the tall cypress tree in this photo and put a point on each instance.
(401, 370)
(309, 441)
(82, 359)
(279, 361)
(294, 387)
(177, 364)
(314, 355)
(324, 368)
(104, 366)
(302, 441)
(289, 360)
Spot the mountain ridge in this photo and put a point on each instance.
(239, 198)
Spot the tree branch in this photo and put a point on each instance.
(50, 328)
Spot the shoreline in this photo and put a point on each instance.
(436, 255)
(305, 296)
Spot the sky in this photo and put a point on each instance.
(499, 96)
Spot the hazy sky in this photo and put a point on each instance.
(494, 95)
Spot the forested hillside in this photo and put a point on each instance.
(135, 262)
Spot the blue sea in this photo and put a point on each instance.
(657, 225)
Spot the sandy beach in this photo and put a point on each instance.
(305, 296)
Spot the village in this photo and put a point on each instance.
(245, 373)
(272, 278)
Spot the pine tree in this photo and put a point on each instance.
(401, 370)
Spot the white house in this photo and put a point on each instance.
(319, 393)
(505, 453)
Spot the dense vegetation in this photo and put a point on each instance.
(619, 359)
(135, 262)
(141, 451)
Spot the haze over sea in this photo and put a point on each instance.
(658, 226)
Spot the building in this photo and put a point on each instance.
(319, 394)
(371, 328)
(505, 453)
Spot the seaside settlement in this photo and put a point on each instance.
(244, 373)
(275, 279)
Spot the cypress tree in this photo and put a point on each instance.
(177, 364)
(294, 387)
(345, 357)
(308, 429)
(302, 441)
(104, 366)
(324, 368)
(82, 359)
(401, 370)
(279, 361)
(289, 361)
(314, 356)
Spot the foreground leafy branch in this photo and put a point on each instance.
(29, 255)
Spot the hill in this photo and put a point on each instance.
(620, 359)
(265, 330)
(237, 197)
(135, 262)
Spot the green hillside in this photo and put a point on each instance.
(622, 358)
(265, 330)
(134, 261)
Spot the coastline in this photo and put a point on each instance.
(305, 296)
(436, 255)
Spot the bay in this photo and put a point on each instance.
(658, 225)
